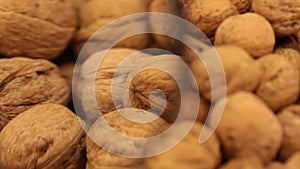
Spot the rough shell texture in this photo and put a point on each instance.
(95, 14)
(66, 71)
(205, 156)
(279, 86)
(110, 80)
(250, 31)
(276, 165)
(292, 41)
(233, 58)
(290, 121)
(41, 34)
(98, 157)
(284, 15)
(243, 112)
(242, 5)
(291, 55)
(45, 136)
(26, 82)
(207, 15)
(243, 163)
(293, 162)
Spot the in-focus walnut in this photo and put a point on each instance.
(45, 136)
(233, 58)
(66, 71)
(110, 80)
(189, 153)
(245, 112)
(291, 55)
(207, 15)
(284, 15)
(279, 86)
(243, 163)
(250, 31)
(99, 134)
(26, 82)
(293, 162)
(95, 14)
(276, 165)
(242, 5)
(36, 28)
(290, 121)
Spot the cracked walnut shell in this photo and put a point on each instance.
(46, 136)
(26, 82)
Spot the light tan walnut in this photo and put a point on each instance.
(242, 5)
(290, 121)
(233, 58)
(279, 86)
(248, 128)
(99, 133)
(249, 31)
(36, 28)
(45, 136)
(243, 163)
(204, 156)
(284, 15)
(26, 82)
(207, 15)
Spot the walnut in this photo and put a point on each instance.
(242, 5)
(250, 31)
(45, 136)
(245, 112)
(207, 15)
(290, 121)
(279, 86)
(36, 28)
(233, 58)
(205, 156)
(243, 163)
(99, 158)
(26, 82)
(284, 15)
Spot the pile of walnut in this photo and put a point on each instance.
(258, 43)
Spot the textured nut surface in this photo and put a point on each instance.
(243, 163)
(207, 15)
(243, 112)
(45, 136)
(41, 34)
(27, 82)
(242, 5)
(110, 80)
(290, 121)
(291, 55)
(189, 153)
(233, 58)
(284, 15)
(98, 157)
(249, 31)
(279, 86)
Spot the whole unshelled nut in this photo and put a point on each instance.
(26, 82)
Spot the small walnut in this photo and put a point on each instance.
(250, 31)
(243, 163)
(110, 80)
(279, 86)
(99, 158)
(36, 28)
(204, 156)
(45, 136)
(207, 15)
(26, 82)
(293, 162)
(291, 55)
(242, 5)
(233, 58)
(284, 15)
(245, 112)
(290, 121)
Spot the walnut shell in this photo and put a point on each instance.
(110, 80)
(279, 86)
(233, 58)
(284, 15)
(205, 156)
(290, 121)
(207, 15)
(95, 14)
(243, 163)
(249, 31)
(99, 158)
(26, 82)
(41, 34)
(291, 55)
(242, 5)
(293, 162)
(245, 112)
(45, 136)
